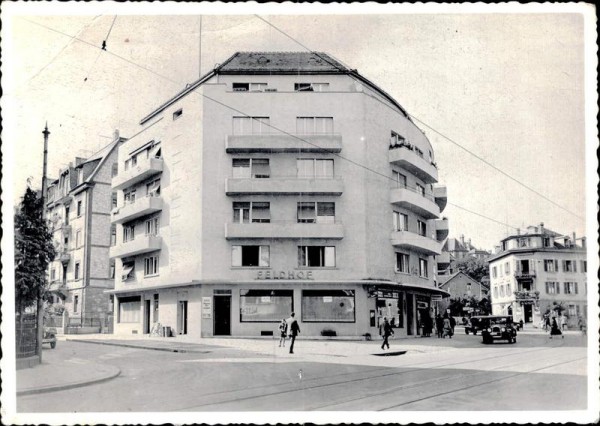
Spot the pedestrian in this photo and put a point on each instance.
(452, 325)
(555, 331)
(386, 332)
(283, 327)
(521, 324)
(546, 322)
(581, 325)
(563, 322)
(439, 325)
(294, 331)
(447, 327)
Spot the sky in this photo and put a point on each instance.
(507, 87)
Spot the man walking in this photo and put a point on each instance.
(294, 331)
(386, 332)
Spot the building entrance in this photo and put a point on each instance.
(146, 316)
(410, 310)
(222, 315)
(182, 312)
(528, 313)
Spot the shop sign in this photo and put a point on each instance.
(387, 294)
(207, 307)
(284, 275)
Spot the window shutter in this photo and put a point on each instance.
(264, 256)
(576, 289)
(330, 256)
(574, 262)
(564, 265)
(236, 256)
(555, 265)
(557, 288)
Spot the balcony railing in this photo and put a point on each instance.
(142, 170)
(523, 275)
(141, 244)
(440, 195)
(527, 297)
(142, 206)
(409, 160)
(284, 185)
(415, 202)
(284, 229)
(416, 242)
(281, 142)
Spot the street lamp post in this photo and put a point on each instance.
(40, 302)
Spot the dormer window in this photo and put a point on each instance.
(311, 87)
(79, 176)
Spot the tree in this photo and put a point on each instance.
(473, 267)
(456, 305)
(34, 250)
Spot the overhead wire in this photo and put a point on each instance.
(254, 118)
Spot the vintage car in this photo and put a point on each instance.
(499, 327)
(475, 324)
(49, 336)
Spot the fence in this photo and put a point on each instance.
(26, 335)
(103, 324)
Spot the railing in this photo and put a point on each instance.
(26, 335)
(104, 323)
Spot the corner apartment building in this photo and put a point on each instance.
(78, 209)
(531, 271)
(278, 182)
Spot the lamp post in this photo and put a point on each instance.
(40, 302)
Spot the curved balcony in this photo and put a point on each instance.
(143, 170)
(440, 195)
(141, 207)
(141, 244)
(441, 229)
(284, 229)
(416, 242)
(417, 203)
(284, 186)
(281, 142)
(415, 164)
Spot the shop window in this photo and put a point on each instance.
(265, 305)
(129, 309)
(328, 306)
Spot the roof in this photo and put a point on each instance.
(456, 274)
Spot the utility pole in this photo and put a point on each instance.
(40, 302)
(200, 48)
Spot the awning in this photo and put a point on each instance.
(126, 272)
(408, 287)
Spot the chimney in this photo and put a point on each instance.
(116, 134)
(518, 231)
(574, 238)
(469, 242)
(583, 242)
(462, 239)
(542, 228)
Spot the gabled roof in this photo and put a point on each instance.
(455, 275)
(100, 158)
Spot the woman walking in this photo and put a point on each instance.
(555, 330)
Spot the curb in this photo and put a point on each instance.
(127, 345)
(53, 388)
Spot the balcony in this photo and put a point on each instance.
(441, 229)
(141, 207)
(284, 229)
(440, 195)
(64, 257)
(417, 165)
(284, 186)
(416, 242)
(415, 202)
(281, 142)
(141, 244)
(143, 170)
(525, 275)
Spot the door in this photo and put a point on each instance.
(409, 314)
(222, 315)
(146, 316)
(528, 309)
(182, 317)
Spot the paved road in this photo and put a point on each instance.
(462, 375)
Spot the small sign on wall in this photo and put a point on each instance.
(207, 307)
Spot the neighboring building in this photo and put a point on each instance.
(78, 209)
(227, 223)
(454, 250)
(531, 271)
(460, 284)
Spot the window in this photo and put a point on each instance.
(507, 268)
(402, 263)
(508, 289)
(494, 272)
(150, 265)
(523, 242)
(79, 175)
(250, 125)
(250, 256)
(501, 291)
(420, 189)
(316, 256)
(423, 268)
(316, 212)
(570, 288)
(314, 125)
(78, 239)
(153, 188)
(328, 306)
(133, 160)
(75, 303)
(552, 287)
(78, 208)
(52, 274)
(584, 266)
(399, 179)
(569, 266)
(396, 140)
(129, 196)
(422, 228)
(129, 309)
(155, 313)
(113, 235)
(265, 305)
(177, 114)
(246, 168)
(251, 212)
(400, 221)
(496, 292)
(128, 233)
(128, 271)
(153, 226)
(77, 270)
(252, 87)
(114, 170)
(111, 269)
(573, 310)
(113, 200)
(311, 87)
(550, 265)
(311, 168)
(67, 211)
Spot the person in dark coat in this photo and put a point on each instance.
(439, 325)
(452, 325)
(294, 331)
(555, 330)
(386, 332)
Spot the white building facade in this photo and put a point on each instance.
(278, 182)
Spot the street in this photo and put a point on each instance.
(457, 374)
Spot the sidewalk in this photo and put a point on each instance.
(50, 376)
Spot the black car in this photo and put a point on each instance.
(475, 324)
(499, 327)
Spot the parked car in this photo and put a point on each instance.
(49, 336)
(475, 324)
(499, 327)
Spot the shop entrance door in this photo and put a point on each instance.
(182, 309)
(146, 316)
(222, 315)
(528, 311)
(409, 314)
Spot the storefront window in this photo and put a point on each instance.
(389, 305)
(265, 305)
(328, 306)
(129, 309)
